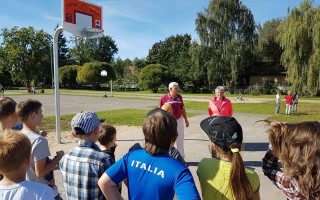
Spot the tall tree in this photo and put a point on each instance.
(226, 28)
(173, 53)
(268, 43)
(90, 50)
(152, 77)
(27, 54)
(299, 37)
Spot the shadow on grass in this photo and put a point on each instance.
(263, 146)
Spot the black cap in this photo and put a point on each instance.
(222, 130)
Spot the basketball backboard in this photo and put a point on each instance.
(82, 18)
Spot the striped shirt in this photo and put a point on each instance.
(81, 169)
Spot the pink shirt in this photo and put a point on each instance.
(175, 102)
(223, 107)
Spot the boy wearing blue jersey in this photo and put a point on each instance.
(150, 172)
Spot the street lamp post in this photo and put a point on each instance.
(105, 73)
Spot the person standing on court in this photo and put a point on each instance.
(220, 105)
(278, 100)
(178, 110)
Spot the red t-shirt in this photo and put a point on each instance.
(289, 99)
(175, 102)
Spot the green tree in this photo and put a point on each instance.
(26, 54)
(268, 43)
(130, 77)
(174, 53)
(139, 63)
(91, 50)
(68, 75)
(153, 76)
(90, 73)
(299, 37)
(226, 28)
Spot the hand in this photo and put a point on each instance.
(43, 133)
(187, 123)
(60, 154)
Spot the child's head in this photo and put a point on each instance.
(8, 110)
(225, 134)
(30, 108)
(297, 145)
(160, 131)
(107, 136)
(15, 150)
(289, 93)
(84, 123)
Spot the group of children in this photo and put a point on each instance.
(151, 171)
(291, 102)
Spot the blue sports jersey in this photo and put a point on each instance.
(153, 176)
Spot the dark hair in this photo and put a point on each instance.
(15, 149)
(26, 107)
(160, 131)
(7, 107)
(106, 134)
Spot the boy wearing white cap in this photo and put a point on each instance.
(82, 166)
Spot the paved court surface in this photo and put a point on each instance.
(196, 143)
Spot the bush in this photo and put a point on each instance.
(246, 91)
(241, 90)
(253, 92)
(152, 77)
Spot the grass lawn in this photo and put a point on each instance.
(131, 117)
(306, 111)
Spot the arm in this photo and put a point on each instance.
(184, 114)
(275, 174)
(42, 167)
(108, 187)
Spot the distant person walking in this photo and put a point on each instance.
(278, 100)
(178, 110)
(1, 91)
(289, 101)
(220, 105)
(295, 97)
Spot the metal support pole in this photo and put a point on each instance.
(111, 88)
(56, 81)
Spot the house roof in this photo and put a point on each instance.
(267, 68)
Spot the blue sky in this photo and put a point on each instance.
(135, 25)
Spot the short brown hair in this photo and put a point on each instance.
(15, 149)
(26, 107)
(106, 134)
(7, 107)
(160, 131)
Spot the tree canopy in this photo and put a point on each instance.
(227, 33)
(90, 73)
(299, 36)
(26, 54)
(152, 77)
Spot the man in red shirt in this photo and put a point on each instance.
(289, 101)
(220, 105)
(178, 110)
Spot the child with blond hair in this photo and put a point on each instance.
(15, 153)
(296, 145)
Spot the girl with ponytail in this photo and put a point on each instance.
(224, 176)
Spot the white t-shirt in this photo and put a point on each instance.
(278, 98)
(26, 190)
(39, 151)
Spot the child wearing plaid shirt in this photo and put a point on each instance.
(82, 166)
(297, 147)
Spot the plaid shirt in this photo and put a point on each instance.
(81, 169)
(276, 175)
